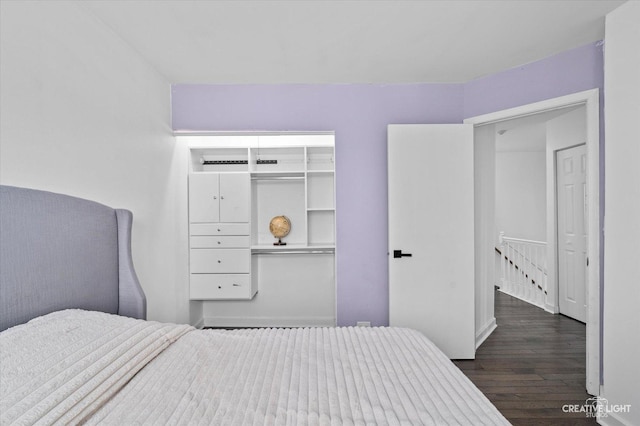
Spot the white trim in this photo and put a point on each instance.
(612, 420)
(486, 331)
(589, 98)
(255, 140)
(269, 322)
(575, 99)
(552, 309)
(521, 240)
(593, 243)
(249, 132)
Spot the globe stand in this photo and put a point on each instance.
(279, 243)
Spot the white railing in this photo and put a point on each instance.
(523, 269)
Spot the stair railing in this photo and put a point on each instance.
(523, 269)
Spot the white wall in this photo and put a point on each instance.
(621, 322)
(84, 115)
(520, 183)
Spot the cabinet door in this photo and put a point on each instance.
(204, 198)
(234, 197)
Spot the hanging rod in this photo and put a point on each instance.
(223, 162)
(319, 251)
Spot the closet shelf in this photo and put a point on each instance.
(293, 248)
(321, 209)
(321, 171)
(276, 175)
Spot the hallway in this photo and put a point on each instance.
(532, 365)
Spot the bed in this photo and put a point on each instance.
(76, 348)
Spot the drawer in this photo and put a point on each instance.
(220, 261)
(220, 286)
(219, 229)
(223, 241)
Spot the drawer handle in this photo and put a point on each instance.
(219, 242)
(236, 285)
(219, 261)
(219, 286)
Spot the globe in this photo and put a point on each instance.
(280, 226)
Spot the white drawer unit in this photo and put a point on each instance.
(221, 286)
(220, 261)
(220, 229)
(221, 241)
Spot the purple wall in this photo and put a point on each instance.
(359, 115)
(568, 72)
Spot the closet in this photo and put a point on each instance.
(237, 185)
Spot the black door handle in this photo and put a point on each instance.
(398, 254)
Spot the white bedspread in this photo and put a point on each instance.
(323, 376)
(61, 367)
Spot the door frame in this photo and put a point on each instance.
(591, 100)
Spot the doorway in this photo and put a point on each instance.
(484, 214)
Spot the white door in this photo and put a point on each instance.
(234, 197)
(431, 234)
(572, 235)
(204, 198)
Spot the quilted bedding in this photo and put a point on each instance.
(88, 367)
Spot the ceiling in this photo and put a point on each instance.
(305, 41)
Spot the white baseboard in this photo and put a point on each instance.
(485, 332)
(612, 419)
(551, 309)
(269, 322)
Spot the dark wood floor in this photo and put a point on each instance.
(532, 365)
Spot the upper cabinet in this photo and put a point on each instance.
(219, 197)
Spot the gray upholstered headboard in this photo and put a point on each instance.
(61, 252)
